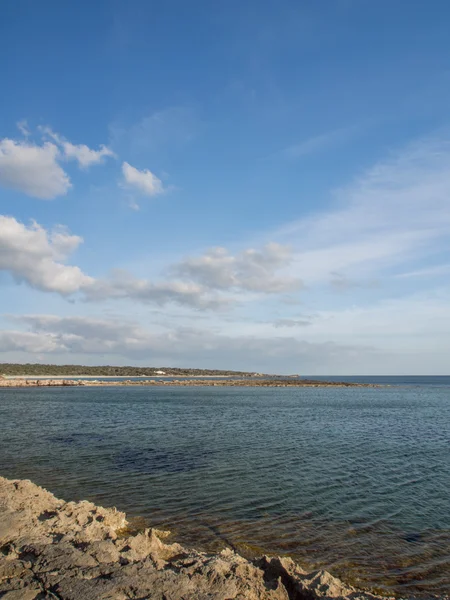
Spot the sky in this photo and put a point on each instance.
(256, 185)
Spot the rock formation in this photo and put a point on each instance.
(51, 549)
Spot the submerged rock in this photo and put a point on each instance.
(79, 551)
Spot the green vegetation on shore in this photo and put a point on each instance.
(13, 369)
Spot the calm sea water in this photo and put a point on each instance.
(353, 480)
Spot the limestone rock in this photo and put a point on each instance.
(79, 551)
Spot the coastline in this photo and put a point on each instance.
(80, 551)
(142, 377)
(171, 381)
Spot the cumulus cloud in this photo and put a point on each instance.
(32, 169)
(35, 169)
(123, 285)
(251, 270)
(36, 256)
(84, 155)
(144, 182)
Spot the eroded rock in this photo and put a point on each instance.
(72, 551)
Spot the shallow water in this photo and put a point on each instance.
(354, 480)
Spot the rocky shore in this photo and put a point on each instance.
(248, 382)
(52, 549)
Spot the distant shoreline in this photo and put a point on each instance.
(112, 376)
(199, 381)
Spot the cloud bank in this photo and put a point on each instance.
(251, 270)
(182, 346)
(37, 257)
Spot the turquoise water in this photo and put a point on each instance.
(354, 480)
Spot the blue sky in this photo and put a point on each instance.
(251, 185)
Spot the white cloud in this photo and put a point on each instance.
(161, 132)
(181, 346)
(22, 126)
(33, 255)
(32, 169)
(292, 322)
(35, 169)
(84, 155)
(321, 142)
(143, 182)
(251, 270)
(341, 283)
(27, 341)
(122, 285)
(381, 338)
(396, 213)
(36, 256)
(432, 271)
(409, 334)
(415, 324)
(391, 225)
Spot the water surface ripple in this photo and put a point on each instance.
(353, 480)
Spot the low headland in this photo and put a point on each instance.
(52, 549)
(37, 375)
(272, 382)
(68, 371)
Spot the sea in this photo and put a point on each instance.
(352, 480)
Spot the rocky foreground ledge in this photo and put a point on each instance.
(199, 382)
(51, 549)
